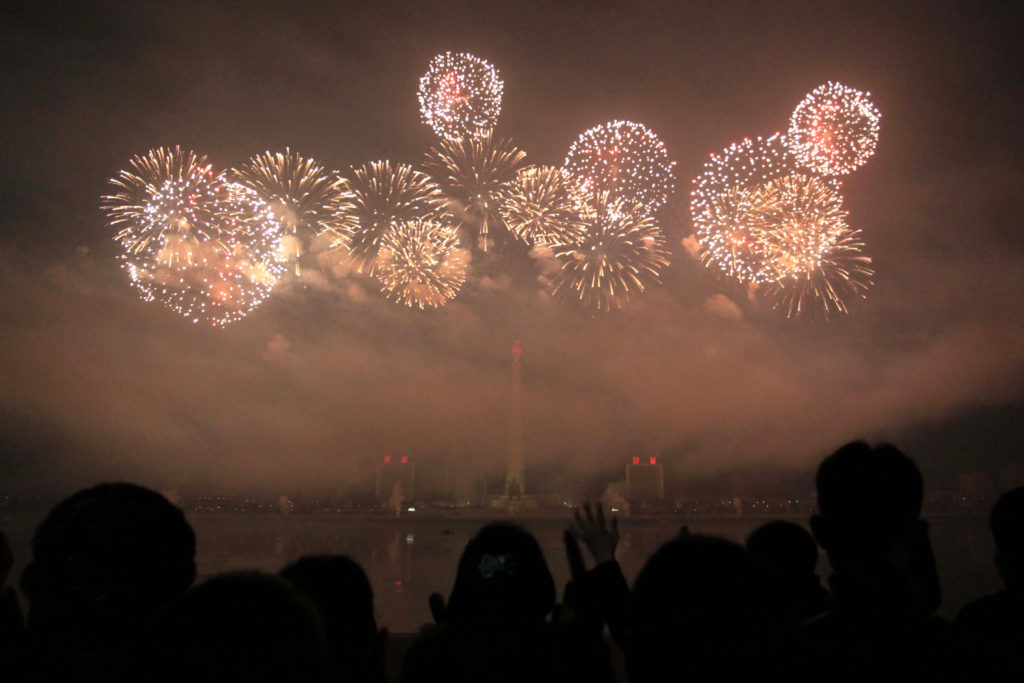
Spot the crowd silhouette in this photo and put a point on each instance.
(109, 597)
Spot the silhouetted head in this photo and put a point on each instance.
(698, 607)
(867, 498)
(1007, 524)
(502, 579)
(337, 586)
(243, 626)
(784, 548)
(874, 484)
(106, 559)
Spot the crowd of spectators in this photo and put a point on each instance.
(110, 597)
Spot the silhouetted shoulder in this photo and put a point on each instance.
(862, 646)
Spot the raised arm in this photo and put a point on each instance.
(602, 591)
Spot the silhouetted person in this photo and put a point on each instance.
(994, 625)
(103, 562)
(884, 582)
(788, 554)
(698, 612)
(494, 626)
(339, 589)
(244, 627)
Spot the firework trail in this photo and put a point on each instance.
(307, 198)
(472, 174)
(541, 206)
(381, 195)
(627, 161)
(460, 96)
(834, 130)
(421, 263)
(622, 253)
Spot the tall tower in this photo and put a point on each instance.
(514, 486)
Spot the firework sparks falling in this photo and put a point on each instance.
(460, 96)
(541, 206)
(307, 198)
(834, 130)
(626, 160)
(843, 273)
(472, 174)
(381, 195)
(421, 263)
(622, 253)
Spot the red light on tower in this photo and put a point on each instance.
(654, 461)
(405, 458)
(387, 458)
(636, 460)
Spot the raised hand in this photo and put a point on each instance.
(600, 538)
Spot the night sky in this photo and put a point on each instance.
(317, 384)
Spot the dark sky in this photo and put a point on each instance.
(319, 382)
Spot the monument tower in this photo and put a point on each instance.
(514, 486)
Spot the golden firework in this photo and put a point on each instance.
(421, 263)
(622, 254)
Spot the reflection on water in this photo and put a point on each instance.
(409, 558)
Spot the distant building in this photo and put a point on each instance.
(395, 472)
(645, 482)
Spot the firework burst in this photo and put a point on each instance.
(200, 245)
(381, 195)
(627, 161)
(843, 273)
(541, 206)
(719, 203)
(796, 219)
(622, 253)
(811, 261)
(834, 130)
(460, 96)
(164, 207)
(307, 198)
(472, 174)
(421, 263)
(727, 243)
